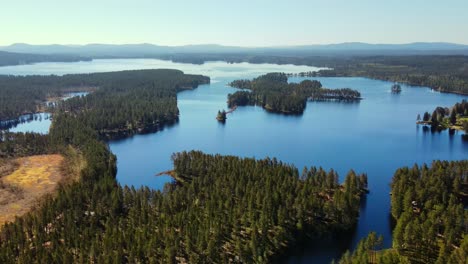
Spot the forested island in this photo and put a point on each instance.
(273, 92)
(452, 118)
(221, 116)
(428, 204)
(13, 58)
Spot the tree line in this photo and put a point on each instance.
(455, 117)
(428, 205)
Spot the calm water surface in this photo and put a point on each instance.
(375, 136)
(38, 123)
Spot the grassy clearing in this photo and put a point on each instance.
(34, 177)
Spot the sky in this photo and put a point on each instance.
(232, 22)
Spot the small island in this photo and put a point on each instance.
(442, 118)
(273, 92)
(396, 88)
(221, 117)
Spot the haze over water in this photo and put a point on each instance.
(376, 136)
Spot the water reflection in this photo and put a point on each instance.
(38, 123)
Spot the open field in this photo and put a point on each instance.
(32, 178)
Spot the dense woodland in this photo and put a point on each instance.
(428, 204)
(122, 102)
(13, 58)
(23, 144)
(216, 213)
(131, 101)
(455, 117)
(273, 92)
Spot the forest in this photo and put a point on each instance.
(121, 102)
(13, 58)
(444, 73)
(273, 92)
(131, 101)
(216, 214)
(452, 118)
(428, 205)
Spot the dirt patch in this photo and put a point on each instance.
(34, 177)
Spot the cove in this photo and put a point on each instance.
(375, 136)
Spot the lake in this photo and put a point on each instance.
(375, 136)
(38, 123)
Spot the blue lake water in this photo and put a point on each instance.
(38, 123)
(375, 136)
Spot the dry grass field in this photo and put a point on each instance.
(24, 181)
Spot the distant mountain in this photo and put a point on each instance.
(150, 50)
(12, 58)
(366, 46)
(216, 51)
(126, 50)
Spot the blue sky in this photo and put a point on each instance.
(232, 22)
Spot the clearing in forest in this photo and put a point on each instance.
(28, 180)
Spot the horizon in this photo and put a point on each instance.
(240, 24)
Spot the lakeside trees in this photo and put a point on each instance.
(428, 204)
(132, 101)
(273, 92)
(442, 73)
(455, 117)
(122, 102)
(219, 213)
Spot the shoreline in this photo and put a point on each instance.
(440, 127)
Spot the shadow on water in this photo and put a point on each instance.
(318, 250)
(465, 139)
(322, 249)
(118, 136)
(13, 123)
